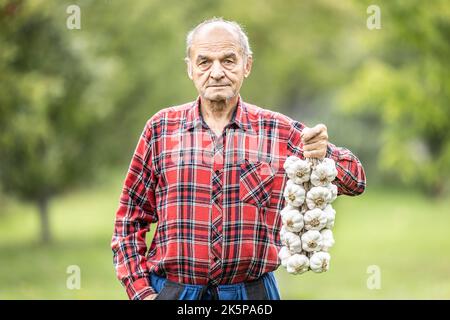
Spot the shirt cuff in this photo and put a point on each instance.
(332, 153)
(139, 289)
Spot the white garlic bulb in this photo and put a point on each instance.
(327, 239)
(287, 209)
(311, 241)
(294, 194)
(333, 190)
(318, 197)
(332, 165)
(319, 262)
(324, 173)
(284, 254)
(293, 220)
(330, 213)
(293, 242)
(297, 264)
(298, 171)
(315, 219)
(289, 161)
(283, 232)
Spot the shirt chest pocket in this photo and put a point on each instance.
(255, 183)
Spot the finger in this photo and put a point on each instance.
(321, 136)
(320, 145)
(309, 133)
(314, 154)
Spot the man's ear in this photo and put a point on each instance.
(248, 66)
(189, 67)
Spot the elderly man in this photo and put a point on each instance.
(210, 173)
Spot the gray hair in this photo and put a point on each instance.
(243, 39)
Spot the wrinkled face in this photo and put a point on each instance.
(217, 65)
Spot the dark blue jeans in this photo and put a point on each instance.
(265, 288)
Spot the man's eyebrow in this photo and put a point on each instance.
(201, 57)
(225, 56)
(229, 55)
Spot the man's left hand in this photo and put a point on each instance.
(315, 141)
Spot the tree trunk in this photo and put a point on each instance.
(45, 225)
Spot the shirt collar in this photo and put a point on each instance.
(240, 116)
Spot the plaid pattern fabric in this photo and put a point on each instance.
(216, 200)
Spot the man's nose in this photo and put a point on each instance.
(217, 71)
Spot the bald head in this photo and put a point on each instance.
(220, 28)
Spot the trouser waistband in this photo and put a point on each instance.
(251, 290)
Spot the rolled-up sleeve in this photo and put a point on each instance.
(351, 178)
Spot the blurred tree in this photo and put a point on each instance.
(403, 82)
(49, 94)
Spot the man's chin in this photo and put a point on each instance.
(217, 97)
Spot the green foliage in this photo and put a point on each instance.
(48, 103)
(404, 82)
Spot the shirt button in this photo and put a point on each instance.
(217, 172)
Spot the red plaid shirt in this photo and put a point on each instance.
(216, 199)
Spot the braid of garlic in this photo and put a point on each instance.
(308, 184)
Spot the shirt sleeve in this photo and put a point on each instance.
(351, 178)
(134, 215)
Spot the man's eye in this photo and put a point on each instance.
(229, 61)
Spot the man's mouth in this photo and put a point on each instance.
(218, 85)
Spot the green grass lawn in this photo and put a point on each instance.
(403, 233)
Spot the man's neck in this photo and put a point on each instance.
(217, 114)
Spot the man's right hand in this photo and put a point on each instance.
(151, 296)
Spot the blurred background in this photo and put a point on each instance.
(73, 103)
